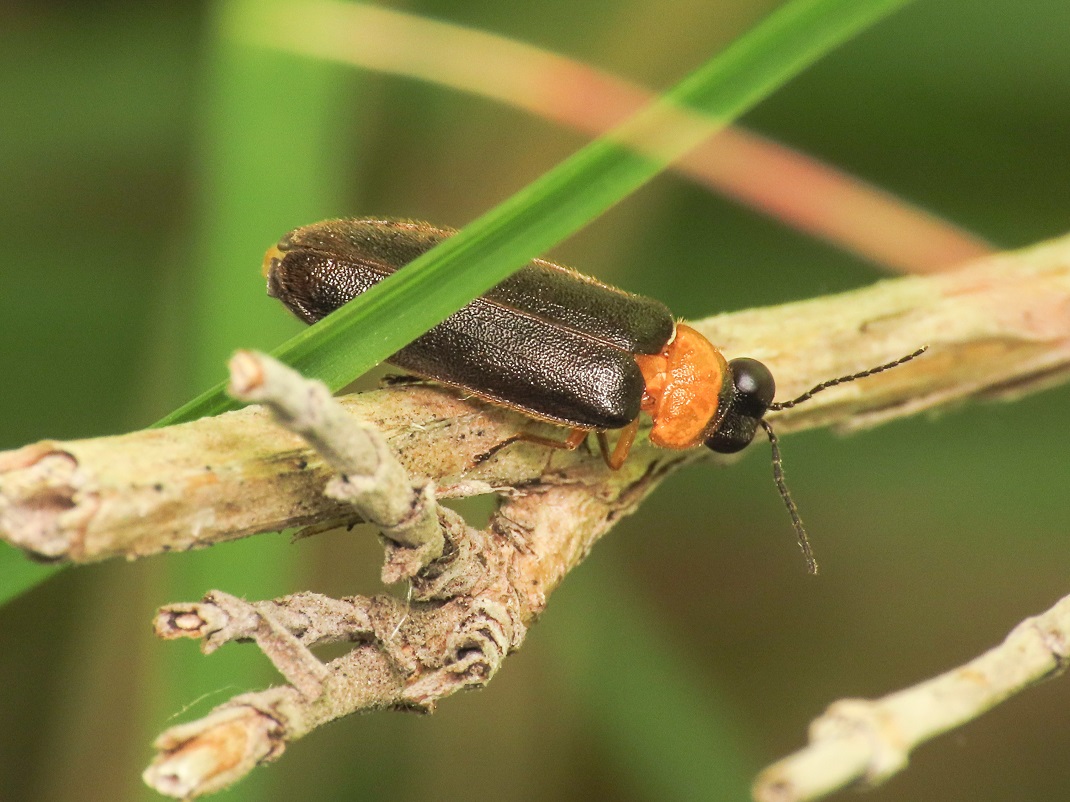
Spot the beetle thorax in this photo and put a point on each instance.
(683, 385)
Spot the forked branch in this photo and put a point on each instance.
(473, 595)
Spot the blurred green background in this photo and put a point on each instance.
(145, 164)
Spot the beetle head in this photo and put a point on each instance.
(745, 400)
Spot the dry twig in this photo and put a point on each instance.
(869, 741)
(370, 478)
(998, 327)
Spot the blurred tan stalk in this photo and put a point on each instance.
(783, 183)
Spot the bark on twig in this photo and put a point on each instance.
(870, 740)
(998, 328)
(369, 476)
(467, 611)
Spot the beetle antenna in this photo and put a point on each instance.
(789, 502)
(844, 379)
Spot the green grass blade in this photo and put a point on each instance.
(246, 157)
(239, 207)
(17, 574)
(399, 309)
(392, 314)
(648, 707)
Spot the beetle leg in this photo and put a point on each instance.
(571, 443)
(615, 458)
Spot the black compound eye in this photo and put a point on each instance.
(747, 401)
(754, 386)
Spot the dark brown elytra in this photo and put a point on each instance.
(554, 344)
